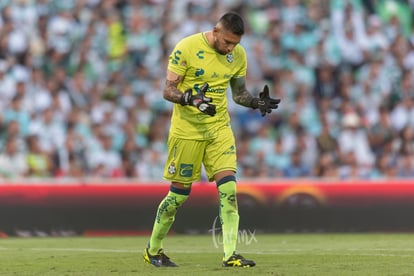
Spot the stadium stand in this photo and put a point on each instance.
(81, 87)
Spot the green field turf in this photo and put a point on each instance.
(278, 254)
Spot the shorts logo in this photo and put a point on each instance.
(172, 169)
(231, 150)
(186, 170)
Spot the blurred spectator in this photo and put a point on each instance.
(326, 167)
(49, 130)
(406, 141)
(325, 82)
(13, 163)
(39, 162)
(297, 168)
(105, 161)
(80, 82)
(353, 138)
(406, 166)
(347, 23)
(308, 113)
(7, 84)
(12, 130)
(16, 112)
(70, 158)
(375, 40)
(403, 114)
(385, 167)
(349, 167)
(116, 40)
(130, 158)
(397, 15)
(326, 142)
(150, 165)
(275, 158)
(381, 131)
(61, 31)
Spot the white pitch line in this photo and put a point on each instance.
(318, 252)
(98, 250)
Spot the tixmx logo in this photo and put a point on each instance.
(244, 236)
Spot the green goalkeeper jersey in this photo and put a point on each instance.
(198, 62)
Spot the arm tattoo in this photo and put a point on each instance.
(171, 92)
(239, 92)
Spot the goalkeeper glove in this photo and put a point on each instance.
(264, 103)
(199, 100)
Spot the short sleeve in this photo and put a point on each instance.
(177, 61)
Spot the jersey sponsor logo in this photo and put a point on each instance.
(199, 72)
(200, 54)
(217, 90)
(186, 170)
(176, 57)
(197, 88)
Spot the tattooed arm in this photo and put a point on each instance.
(240, 94)
(171, 92)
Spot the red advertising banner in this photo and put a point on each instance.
(264, 193)
(269, 205)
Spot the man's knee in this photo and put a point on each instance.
(180, 192)
(226, 180)
(180, 186)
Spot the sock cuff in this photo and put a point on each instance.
(179, 191)
(226, 179)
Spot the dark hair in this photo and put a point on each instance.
(232, 22)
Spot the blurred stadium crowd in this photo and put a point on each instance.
(81, 86)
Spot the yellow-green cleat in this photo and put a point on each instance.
(159, 259)
(237, 260)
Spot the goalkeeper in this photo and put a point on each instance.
(200, 69)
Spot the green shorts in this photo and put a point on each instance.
(186, 157)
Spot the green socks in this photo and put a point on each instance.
(229, 215)
(165, 217)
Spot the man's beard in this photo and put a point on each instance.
(218, 50)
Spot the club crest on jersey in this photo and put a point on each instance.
(172, 169)
(229, 58)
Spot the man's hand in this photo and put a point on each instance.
(264, 103)
(199, 100)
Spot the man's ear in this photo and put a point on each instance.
(215, 30)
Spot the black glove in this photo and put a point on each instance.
(264, 102)
(199, 100)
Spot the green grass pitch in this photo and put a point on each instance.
(275, 254)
